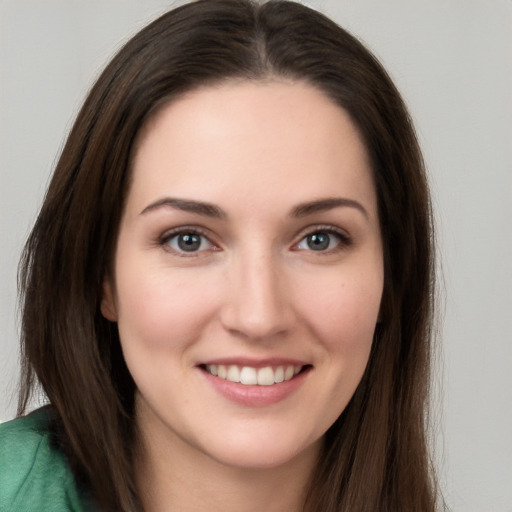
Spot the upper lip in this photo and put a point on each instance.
(254, 363)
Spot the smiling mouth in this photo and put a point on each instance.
(250, 376)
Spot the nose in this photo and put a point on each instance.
(258, 304)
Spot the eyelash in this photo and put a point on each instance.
(194, 231)
(344, 240)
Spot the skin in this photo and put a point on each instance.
(255, 289)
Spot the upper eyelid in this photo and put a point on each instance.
(324, 228)
(170, 233)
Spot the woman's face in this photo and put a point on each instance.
(249, 249)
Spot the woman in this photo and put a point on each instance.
(228, 291)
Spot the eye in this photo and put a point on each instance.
(187, 241)
(323, 240)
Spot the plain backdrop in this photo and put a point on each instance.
(452, 60)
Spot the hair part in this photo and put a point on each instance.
(375, 455)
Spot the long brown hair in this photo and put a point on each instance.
(375, 456)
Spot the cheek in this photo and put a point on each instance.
(341, 316)
(344, 310)
(162, 309)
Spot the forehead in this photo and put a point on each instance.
(284, 140)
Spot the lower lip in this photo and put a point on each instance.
(256, 396)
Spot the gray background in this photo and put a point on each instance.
(452, 59)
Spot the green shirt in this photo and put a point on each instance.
(34, 474)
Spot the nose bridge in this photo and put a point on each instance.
(258, 306)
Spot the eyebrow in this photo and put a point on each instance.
(322, 205)
(211, 210)
(198, 207)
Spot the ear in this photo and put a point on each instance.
(108, 301)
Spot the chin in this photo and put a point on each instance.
(265, 449)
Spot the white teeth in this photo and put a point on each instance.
(265, 376)
(233, 374)
(212, 368)
(222, 372)
(250, 376)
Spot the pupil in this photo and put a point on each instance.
(189, 242)
(318, 241)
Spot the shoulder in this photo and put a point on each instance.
(34, 474)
